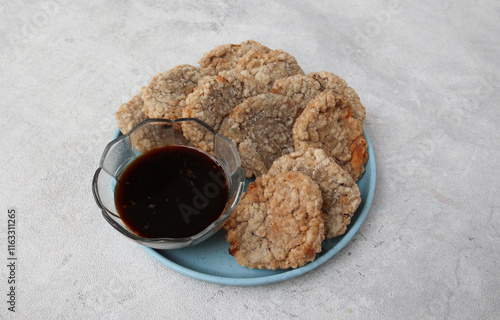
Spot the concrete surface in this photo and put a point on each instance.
(427, 73)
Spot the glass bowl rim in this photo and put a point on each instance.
(182, 240)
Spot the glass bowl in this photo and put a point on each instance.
(156, 133)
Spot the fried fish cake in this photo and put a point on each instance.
(225, 57)
(213, 100)
(215, 97)
(130, 114)
(304, 88)
(267, 67)
(327, 123)
(278, 223)
(165, 97)
(261, 128)
(341, 196)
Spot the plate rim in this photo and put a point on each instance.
(287, 274)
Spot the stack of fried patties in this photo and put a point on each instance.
(301, 136)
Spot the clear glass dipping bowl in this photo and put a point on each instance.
(155, 133)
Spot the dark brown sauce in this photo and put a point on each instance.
(171, 192)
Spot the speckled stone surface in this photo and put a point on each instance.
(427, 73)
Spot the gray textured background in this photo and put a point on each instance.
(427, 73)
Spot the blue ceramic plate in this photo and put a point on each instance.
(210, 260)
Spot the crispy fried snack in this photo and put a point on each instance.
(215, 97)
(267, 67)
(327, 123)
(278, 223)
(165, 97)
(341, 196)
(213, 100)
(305, 88)
(130, 114)
(226, 56)
(261, 128)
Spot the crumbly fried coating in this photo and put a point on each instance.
(304, 88)
(299, 87)
(261, 128)
(215, 97)
(165, 97)
(213, 100)
(278, 223)
(341, 196)
(267, 67)
(225, 57)
(336, 84)
(130, 114)
(327, 123)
